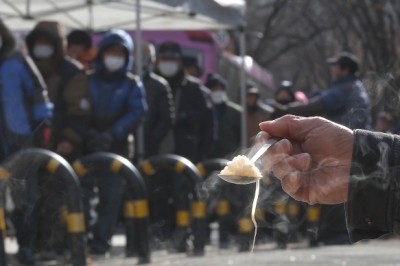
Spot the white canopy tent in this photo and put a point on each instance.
(100, 15)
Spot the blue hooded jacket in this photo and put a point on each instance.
(23, 96)
(118, 98)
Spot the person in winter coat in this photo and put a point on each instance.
(194, 128)
(319, 161)
(67, 86)
(228, 114)
(346, 102)
(69, 92)
(25, 113)
(119, 103)
(80, 48)
(159, 118)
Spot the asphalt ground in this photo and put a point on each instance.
(365, 253)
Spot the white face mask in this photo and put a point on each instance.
(43, 51)
(168, 68)
(113, 63)
(218, 97)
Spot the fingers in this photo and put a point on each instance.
(300, 162)
(291, 127)
(292, 172)
(277, 153)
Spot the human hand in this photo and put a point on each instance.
(100, 141)
(64, 148)
(313, 160)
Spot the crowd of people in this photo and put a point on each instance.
(63, 94)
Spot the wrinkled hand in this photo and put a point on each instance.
(313, 160)
(64, 148)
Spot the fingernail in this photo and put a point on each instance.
(284, 146)
(305, 160)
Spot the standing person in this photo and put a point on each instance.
(67, 86)
(346, 103)
(68, 90)
(119, 103)
(257, 112)
(284, 94)
(80, 48)
(159, 118)
(191, 65)
(228, 114)
(192, 105)
(25, 111)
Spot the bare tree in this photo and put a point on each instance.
(298, 36)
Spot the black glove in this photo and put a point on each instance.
(99, 141)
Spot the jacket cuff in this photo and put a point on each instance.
(372, 204)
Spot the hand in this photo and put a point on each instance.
(64, 148)
(99, 142)
(313, 160)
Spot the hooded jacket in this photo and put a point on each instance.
(67, 84)
(23, 96)
(119, 99)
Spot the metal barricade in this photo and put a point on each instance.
(136, 212)
(313, 217)
(193, 216)
(222, 206)
(53, 164)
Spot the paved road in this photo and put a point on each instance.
(372, 253)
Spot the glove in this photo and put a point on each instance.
(99, 141)
(106, 139)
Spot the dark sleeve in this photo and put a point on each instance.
(374, 188)
(208, 128)
(165, 110)
(314, 107)
(196, 113)
(77, 99)
(334, 99)
(137, 107)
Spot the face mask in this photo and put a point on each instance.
(168, 68)
(113, 63)
(43, 51)
(218, 97)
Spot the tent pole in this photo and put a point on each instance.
(243, 88)
(28, 8)
(138, 64)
